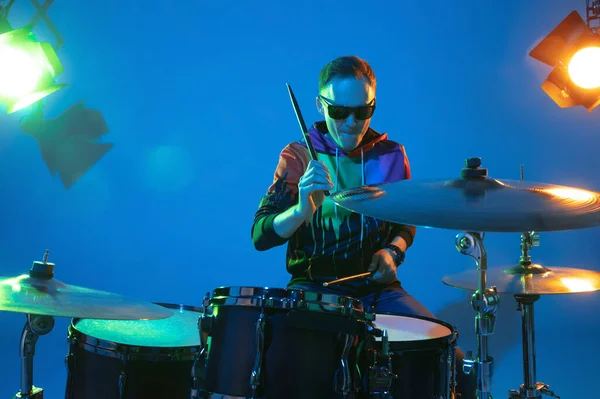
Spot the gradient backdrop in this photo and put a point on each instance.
(194, 95)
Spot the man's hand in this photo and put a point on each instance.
(311, 187)
(383, 266)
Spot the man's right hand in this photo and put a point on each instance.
(310, 188)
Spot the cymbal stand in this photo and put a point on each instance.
(485, 301)
(530, 389)
(36, 326)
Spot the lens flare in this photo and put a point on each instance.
(584, 68)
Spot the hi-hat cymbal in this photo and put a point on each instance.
(26, 294)
(534, 280)
(476, 204)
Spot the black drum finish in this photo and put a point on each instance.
(423, 365)
(302, 349)
(98, 377)
(133, 359)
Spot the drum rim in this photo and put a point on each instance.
(225, 290)
(122, 351)
(453, 336)
(290, 299)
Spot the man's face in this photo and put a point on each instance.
(346, 92)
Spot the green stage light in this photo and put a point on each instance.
(28, 69)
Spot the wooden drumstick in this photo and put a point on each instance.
(349, 278)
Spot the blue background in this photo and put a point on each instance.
(194, 95)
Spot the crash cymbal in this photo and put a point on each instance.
(534, 280)
(476, 202)
(26, 294)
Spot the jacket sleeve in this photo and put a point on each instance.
(282, 194)
(405, 231)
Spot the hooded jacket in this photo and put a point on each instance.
(336, 242)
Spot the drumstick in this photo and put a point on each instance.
(309, 144)
(349, 278)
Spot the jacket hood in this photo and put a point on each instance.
(323, 143)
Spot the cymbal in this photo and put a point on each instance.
(535, 280)
(26, 294)
(476, 204)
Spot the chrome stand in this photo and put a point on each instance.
(485, 301)
(36, 326)
(530, 389)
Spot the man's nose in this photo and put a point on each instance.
(351, 120)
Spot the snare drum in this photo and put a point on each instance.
(422, 352)
(127, 359)
(276, 343)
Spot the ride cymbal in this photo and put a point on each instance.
(476, 202)
(532, 280)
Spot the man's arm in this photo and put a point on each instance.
(403, 236)
(277, 216)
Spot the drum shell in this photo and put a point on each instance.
(424, 367)
(301, 352)
(95, 367)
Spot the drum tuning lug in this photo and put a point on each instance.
(545, 389)
(535, 239)
(468, 363)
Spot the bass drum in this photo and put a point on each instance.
(127, 359)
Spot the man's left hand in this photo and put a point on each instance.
(383, 266)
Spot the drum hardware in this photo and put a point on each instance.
(256, 374)
(485, 302)
(527, 282)
(343, 378)
(380, 373)
(122, 383)
(451, 359)
(204, 326)
(35, 326)
(530, 389)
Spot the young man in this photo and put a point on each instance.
(327, 242)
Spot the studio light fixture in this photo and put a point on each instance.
(28, 70)
(28, 67)
(573, 50)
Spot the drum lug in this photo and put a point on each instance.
(343, 376)
(198, 375)
(256, 375)
(122, 384)
(468, 363)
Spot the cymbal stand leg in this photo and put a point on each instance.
(485, 301)
(530, 389)
(36, 326)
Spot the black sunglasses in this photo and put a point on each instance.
(340, 112)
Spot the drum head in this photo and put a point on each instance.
(179, 330)
(404, 328)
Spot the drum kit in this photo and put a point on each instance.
(255, 342)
